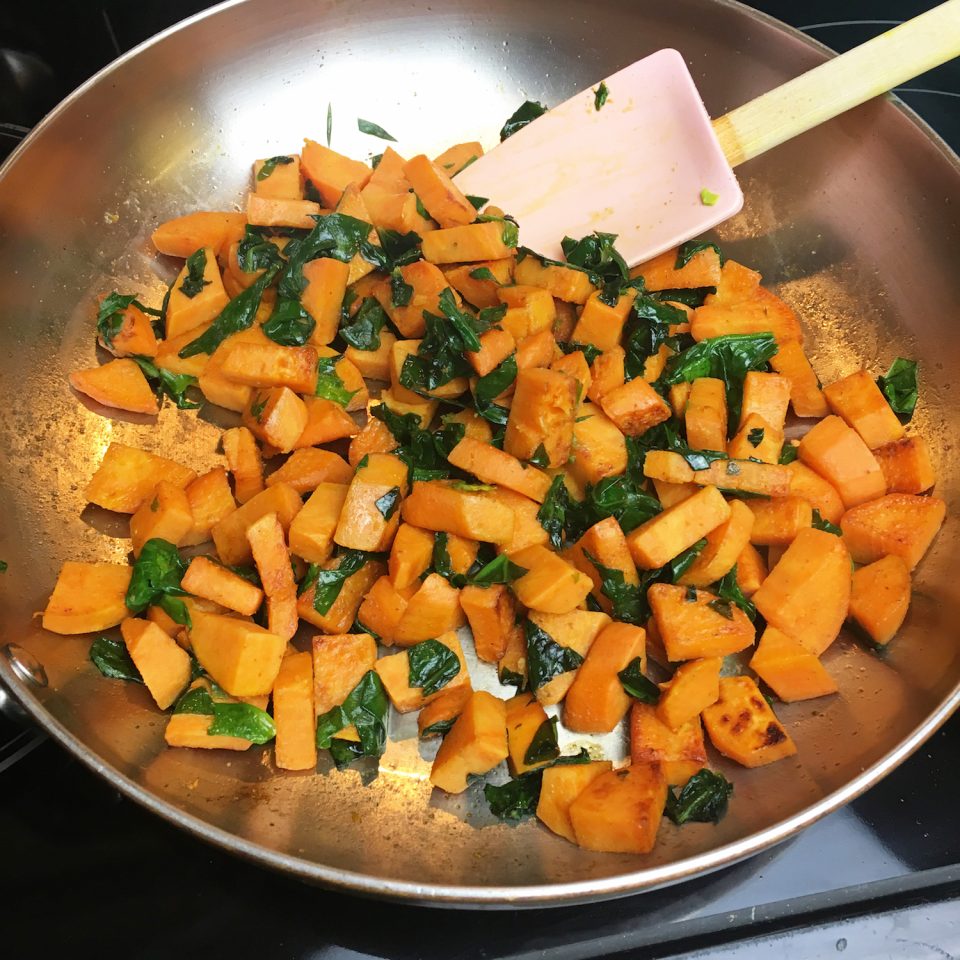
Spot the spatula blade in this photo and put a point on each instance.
(636, 167)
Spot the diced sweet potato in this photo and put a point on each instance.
(680, 753)
(210, 580)
(906, 465)
(525, 717)
(839, 455)
(438, 193)
(530, 310)
(806, 395)
(601, 324)
(312, 529)
(742, 726)
(476, 744)
(458, 157)
(182, 235)
(163, 664)
(725, 544)
(276, 416)
(898, 524)
(244, 462)
(324, 289)
(191, 309)
(560, 787)
(339, 663)
(373, 364)
(135, 337)
(343, 612)
(127, 476)
(767, 395)
(706, 414)
(577, 630)
(550, 585)
(756, 439)
(240, 656)
(394, 671)
(294, 715)
(769, 479)
(693, 623)
(751, 570)
(432, 610)
(326, 421)
(375, 437)
(306, 469)
(575, 365)
(692, 689)
(678, 395)
(539, 350)
(564, 283)
(467, 244)
(764, 312)
(661, 538)
(599, 449)
(119, 384)
(606, 373)
(472, 283)
(371, 510)
(777, 522)
(490, 612)
(260, 365)
(672, 493)
(210, 501)
(819, 493)
(443, 505)
(661, 273)
(635, 407)
(858, 400)
(815, 567)
(382, 608)
(87, 597)
(606, 544)
(330, 172)
(620, 811)
(166, 516)
(269, 549)
(527, 530)
(490, 465)
(495, 346)
(410, 555)
(880, 598)
(280, 181)
(190, 730)
(789, 669)
(230, 534)
(597, 702)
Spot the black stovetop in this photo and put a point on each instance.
(86, 871)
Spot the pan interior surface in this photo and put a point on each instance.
(854, 224)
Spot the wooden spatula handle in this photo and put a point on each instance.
(840, 84)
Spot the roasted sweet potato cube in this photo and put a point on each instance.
(540, 350)
(756, 439)
(87, 597)
(661, 538)
(620, 811)
(276, 416)
(597, 702)
(339, 663)
(530, 310)
(777, 522)
(724, 545)
(806, 395)
(601, 324)
(190, 309)
(330, 172)
(166, 515)
(270, 212)
(706, 414)
(476, 744)
(306, 469)
(438, 193)
(383, 607)
(270, 554)
(244, 462)
(230, 534)
(190, 730)
(394, 671)
(432, 610)
(467, 244)
(635, 407)
(550, 585)
(527, 529)
(490, 612)
(182, 235)
(119, 384)
(241, 657)
(692, 689)
(281, 178)
(326, 421)
(163, 664)
(490, 465)
(312, 529)
(840, 456)
(560, 787)
(212, 581)
(789, 669)
(371, 510)
(459, 156)
(373, 364)
(564, 283)
(661, 273)
(323, 293)
(525, 717)
(816, 565)
(542, 415)
(410, 555)
(577, 630)
(693, 623)
(478, 283)
(438, 716)
(764, 312)
(599, 448)
(343, 611)
(294, 714)
(766, 395)
(880, 598)
(751, 570)
(906, 465)
(680, 753)
(375, 437)
(443, 505)
(743, 727)
(769, 479)
(259, 365)
(210, 500)
(127, 476)
(858, 400)
(819, 493)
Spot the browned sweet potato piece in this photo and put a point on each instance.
(789, 669)
(899, 524)
(680, 753)
(880, 598)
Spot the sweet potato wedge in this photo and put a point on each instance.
(880, 598)
(898, 524)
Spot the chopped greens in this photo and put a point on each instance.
(899, 386)
(111, 658)
(193, 282)
(819, 523)
(482, 273)
(628, 599)
(687, 251)
(636, 684)
(526, 113)
(423, 451)
(432, 666)
(600, 96)
(728, 589)
(389, 503)
(702, 800)
(329, 123)
(156, 577)
(365, 707)
(499, 570)
(363, 329)
(289, 325)
(491, 385)
(401, 292)
(788, 454)
(755, 436)
(374, 130)
(242, 720)
(271, 164)
(172, 385)
(544, 746)
(546, 659)
(110, 314)
(329, 384)
(517, 799)
(329, 583)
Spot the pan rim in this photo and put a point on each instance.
(455, 895)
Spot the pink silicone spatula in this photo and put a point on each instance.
(651, 167)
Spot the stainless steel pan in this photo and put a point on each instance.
(855, 224)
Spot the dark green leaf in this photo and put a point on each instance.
(597, 254)
(723, 607)
(636, 684)
(728, 358)
(256, 252)
(442, 563)
(365, 126)
(755, 436)
(3, 566)
(628, 599)
(172, 385)
(477, 203)
(702, 800)
(552, 514)
(175, 609)
(483, 273)
(423, 451)
(242, 720)
(110, 314)
(335, 235)
(329, 123)
(329, 583)
(439, 729)
(546, 659)
(620, 497)
(271, 164)
(375, 160)
(540, 457)
(394, 250)
(646, 330)
(820, 524)
(589, 351)
(363, 330)
(491, 385)
(237, 315)
(729, 590)
(388, 503)
(692, 297)
(682, 562)
(156, 573)
(289, 324)
(600, 96)
(111, 658)
(499, 570)
(690, 595)
(899, 386)
(510, 678)
(687, 251)
(366, 708)
(515, 799)
(329, 384)
(788, 454)
(526, 113)
(544, 746)
(197, 700)
(193, 283)
(432, 666)
(401, 292)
